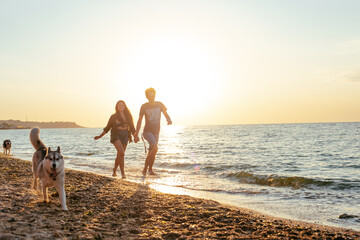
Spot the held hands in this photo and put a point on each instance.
(136, 138)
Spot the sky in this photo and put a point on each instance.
(211, 62)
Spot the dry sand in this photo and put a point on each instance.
(108, 208)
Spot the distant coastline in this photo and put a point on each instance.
(17, 124)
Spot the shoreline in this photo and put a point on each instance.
(103, 207)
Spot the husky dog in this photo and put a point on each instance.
(7, 146)
(48, 166)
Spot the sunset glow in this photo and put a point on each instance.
(229, 62)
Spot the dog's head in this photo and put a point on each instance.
(54, 161)
(7, 143)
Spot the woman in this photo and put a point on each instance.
(122, 126)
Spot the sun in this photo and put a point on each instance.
(184, 74)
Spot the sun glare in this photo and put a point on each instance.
(183, 74)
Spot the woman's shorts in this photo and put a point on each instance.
(122, 135)
(151, 138)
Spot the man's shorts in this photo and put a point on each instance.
(151, 138)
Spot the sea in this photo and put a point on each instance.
(308, 172)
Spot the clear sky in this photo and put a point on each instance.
(211, 62)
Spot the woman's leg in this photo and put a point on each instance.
(116, 165)
(119, 161)
(122, 162)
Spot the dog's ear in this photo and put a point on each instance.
(58, 149)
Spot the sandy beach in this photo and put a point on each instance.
(103, 207)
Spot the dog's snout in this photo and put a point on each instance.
(54, 166)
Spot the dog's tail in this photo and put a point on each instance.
(35, 139)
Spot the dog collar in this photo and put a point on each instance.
(53, 176)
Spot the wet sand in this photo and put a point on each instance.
(103, 207)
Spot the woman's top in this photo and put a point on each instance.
(116, 123)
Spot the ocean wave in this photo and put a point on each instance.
(216, 168)
(279, 181)
(85, 165)
(213, 190)
(186, 166)
(85, 154)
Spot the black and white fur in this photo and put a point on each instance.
(48, 166)
(7, 146)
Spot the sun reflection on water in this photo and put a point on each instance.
(170, 143)
(168, 189)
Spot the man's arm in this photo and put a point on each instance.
(138, 125)
(168, 119)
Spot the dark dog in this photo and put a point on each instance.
(7, 146)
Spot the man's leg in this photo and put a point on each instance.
(151, 160)
(146, 165)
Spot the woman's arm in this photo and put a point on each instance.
(106, 129)
(100, 136)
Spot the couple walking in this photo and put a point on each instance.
(122, 127)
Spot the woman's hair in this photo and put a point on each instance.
(128, 116)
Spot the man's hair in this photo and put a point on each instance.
(149, 90)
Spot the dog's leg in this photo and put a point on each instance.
(35, 173)
(35, 183)
(62, 197)
(45, 193)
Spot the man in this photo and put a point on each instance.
(152, 111)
